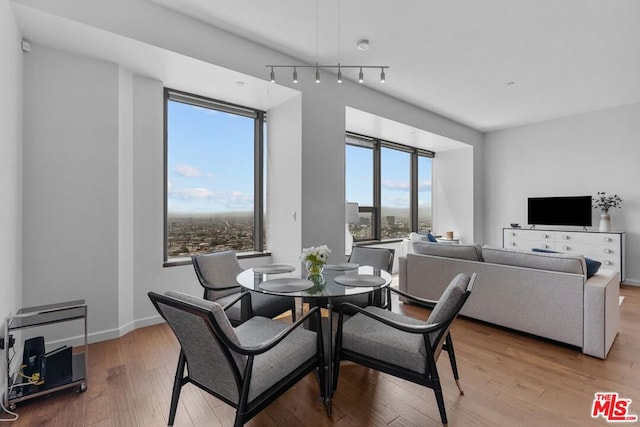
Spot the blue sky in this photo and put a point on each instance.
(395, 179)
(204, 174)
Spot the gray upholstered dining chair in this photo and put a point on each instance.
(402, 346)
(217, 272)
(381, 258)
(247, 367)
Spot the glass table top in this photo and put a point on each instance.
(324, 285)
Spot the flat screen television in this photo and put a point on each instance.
(573, 210)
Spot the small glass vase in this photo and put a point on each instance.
(314, 267)
(318, 283)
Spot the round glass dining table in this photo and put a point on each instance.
(360, 279)
(335, 281)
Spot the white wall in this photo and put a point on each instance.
(10, 168)
(100, 131)
(126, 268)
(453, 201)
(579, 155)
(284, 173)
(70, 231)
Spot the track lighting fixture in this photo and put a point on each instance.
(339, 68)
(362, 45)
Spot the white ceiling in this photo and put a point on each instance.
(188, 74)
(488, 64)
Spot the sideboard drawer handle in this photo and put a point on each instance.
(607, 251)
(566, 248)
(607, 239)
(565, 237)
(607, 262)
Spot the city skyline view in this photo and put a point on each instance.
(210, 183)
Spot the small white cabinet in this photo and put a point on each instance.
(608, 248)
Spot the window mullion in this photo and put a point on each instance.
(258, 198)
(377, 202)
(414, 191)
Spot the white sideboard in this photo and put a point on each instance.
(608, 248)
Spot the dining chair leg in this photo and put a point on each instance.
(177, 386)
(437, 390)
(452, 359)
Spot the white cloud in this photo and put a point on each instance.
(396, 185)
(400, 202)
(424, 185)
(405, 185)
(238, 200)
(191, 194)
(190, 171)
(232, 200)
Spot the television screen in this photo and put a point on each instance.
(574, 210)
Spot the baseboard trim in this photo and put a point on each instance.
(108, 334)
(148, 321)
(631, 282)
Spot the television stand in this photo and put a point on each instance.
(608, 248)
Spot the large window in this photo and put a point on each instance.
(391, 183)
(213, 176)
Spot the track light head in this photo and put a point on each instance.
(317, 75)
(273, 76)
(360, 76)
(339, 74)
(382, 75)
(295, 75)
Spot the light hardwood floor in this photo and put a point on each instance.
(508, 379)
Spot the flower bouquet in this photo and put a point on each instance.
(315, 258)
(604, 202)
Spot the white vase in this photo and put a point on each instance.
(605, 222)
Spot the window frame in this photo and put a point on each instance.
(260, 119)
(376, 144)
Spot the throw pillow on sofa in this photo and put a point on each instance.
(592, 265)
(423, 237)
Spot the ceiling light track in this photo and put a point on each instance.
(339, 68)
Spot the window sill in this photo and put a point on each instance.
(175, 262)
(377, 242)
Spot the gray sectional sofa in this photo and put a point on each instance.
(548, 295)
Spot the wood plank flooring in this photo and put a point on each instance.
(508, 379)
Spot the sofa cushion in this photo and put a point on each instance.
(592, 265)
(563, 263)
(468, 252)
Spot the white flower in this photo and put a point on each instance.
(318, 255)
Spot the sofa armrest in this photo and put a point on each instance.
(601, 312)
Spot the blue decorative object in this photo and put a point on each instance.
(592, 265)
